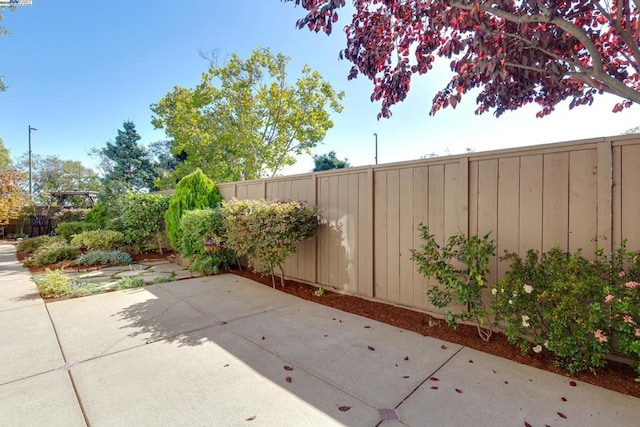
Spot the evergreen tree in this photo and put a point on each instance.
(127, 164)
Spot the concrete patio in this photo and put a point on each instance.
(224, 350)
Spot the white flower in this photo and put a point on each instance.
(537, 348)
(494, 291)
(528, 288)
(525, 321)
(510, 301)
(515, 294)
(546, 344)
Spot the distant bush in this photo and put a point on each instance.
(104, 258)
(140, 218)
(71, 215)
(194, 191)
(54, 284)
(106, 240)
(31, 245)
(53, 253)
(69, 229)
(98, 215)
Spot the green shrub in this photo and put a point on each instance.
(53, 253)
(461, 267)
(54, 284)
(31, 245)
(198, 226)
(69, 229)
(268, 231)
(99, 214)
(140, 218)
(554, 303)
(104, 258)
(194, 191)
(128, 283)
(71, 215)
(106, 240)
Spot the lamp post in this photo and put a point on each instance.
(30, 189)
(376, 135)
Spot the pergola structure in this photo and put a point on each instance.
(90, 196)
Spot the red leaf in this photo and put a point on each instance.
(572, 383)
(526, 424)
(263, 338)
(434, 379)
(506, 382)
(470, 361)
(434, 387)
(564, 399)
(562, 415)
(344, 408)
(406, 376)
(288, 379)
(458, 390)
(406, 358)
(288, 368)
(444, 347)
(371, 348)
(367, 327)
(251, 418)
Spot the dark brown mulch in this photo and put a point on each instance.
(614, 376)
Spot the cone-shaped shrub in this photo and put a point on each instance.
(194, 191)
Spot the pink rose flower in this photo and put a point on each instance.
(601, 337)
(608, 298)
(632, 285)
(621, 274)
(628, 319)
(638, 332)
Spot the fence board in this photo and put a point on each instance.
(573, 195)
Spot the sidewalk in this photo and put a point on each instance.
(224, 350)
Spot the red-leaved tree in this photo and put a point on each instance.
(515, 51)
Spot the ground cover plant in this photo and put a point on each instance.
(29, 246)
(53, 253)
(69, 229)
(108, 258)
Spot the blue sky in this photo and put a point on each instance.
(77, 70)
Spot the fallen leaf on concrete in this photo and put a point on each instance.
(371, 348)
(526, 424)
(405, 376)
(288, 379)
(564, 399)
(444, 347)
(251, 418)
(434, 387)
(562, 415)
(406, 358)
(288, 368)
(572, 383)
(367, 327)
(434, 379)
(458, 390)
(344, 408)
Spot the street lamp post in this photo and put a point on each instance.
(376, 135)
(30, 189)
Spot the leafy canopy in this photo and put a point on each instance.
(328, 161)
(245, 120)
(6, 164)
(514, 52)
(12, 197)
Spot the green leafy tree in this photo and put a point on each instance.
(3, 31)
(6, 164)
(328, 161)
(126, 164)
(194, 191)
(51, 173)
(164, 163)
(244, 120)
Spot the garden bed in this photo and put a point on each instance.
(614, 376)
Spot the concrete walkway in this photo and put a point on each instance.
(226, 351)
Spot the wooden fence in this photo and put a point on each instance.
(575, 195)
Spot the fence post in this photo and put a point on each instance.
(605, 190)
(371, 227)
(463, 186)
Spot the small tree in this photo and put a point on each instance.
(194, 191)
(139, 218)
(12, 198)
(268, 231)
